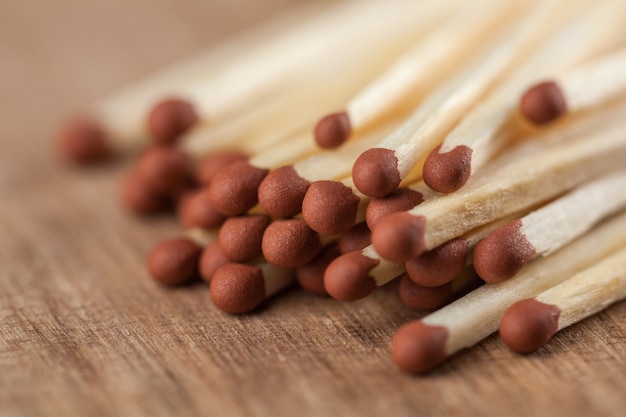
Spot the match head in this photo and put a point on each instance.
(543, 103)
(329, 207)
(240, 237)
(440, 265)
(83, 142)
(174, 261)
(358, 237)
(418, 347)
(375, 172)
(139, 199)
(420, 298)
(169, 119)
(234, 189)
(211, 259)
(503, 253)
(290, 243)
(402, 199)
(447, 172)
(399, 237)
(347, 277)
(282, 191)
(311, 275)
(333, 130)
(237, 288)
(165, 171)
(529, 324)
(197, 211)
(214, 163)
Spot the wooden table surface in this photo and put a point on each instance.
(85, 332)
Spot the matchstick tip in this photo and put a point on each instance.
(237, 288)
(421, 298)
(447, 172)
(169, 119)
(375, 172)
(290, 243)
(399, 237)
(358, 237)
(213, 163)
(175, 261)
(196, 210)
(418, 347)
(240, 237)
(211, 259)
(329, 207)
(440, 265)
(83, 142)
(137, 198)
(333, 130)
(528, 325)
(311, 275)
(502, 253)
(234, 188)
(347, 277)
(402, 199)
(281, 193)
(165, 171)
(543, 103)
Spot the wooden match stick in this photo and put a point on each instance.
(489, 126)
(424, 344)
(378, 171)
(536, 178)
(582, 87)
(505, 251)
(529, 324)
(444, 48)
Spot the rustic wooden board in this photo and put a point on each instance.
(85, 332)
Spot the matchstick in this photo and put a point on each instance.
(582, 87)
(378, 171)
(424, 344)
(290, 243)
(529, 324)
(311, 275)
(505, 251)
(489, 126)
(522, 184)
(211, 259)
(240, 237)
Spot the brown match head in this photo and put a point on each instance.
(234, 189)
(375, 172)
(196, 210)
(447, 172)
(347, 277)
(282, 191)
(169, 119)
(214, 163)
(83, 142)
(399, 237)
(440, 265)
(311, 275)
(503, 253)
(529, 324)
(543, 103)
(240, 237)
(329, 207)
(333, 130)
(165, 170)
(237, 288)
(358, 237)
(418, 347)
(137, 198)
(211, 259)
(420, 298)
(402, 199)
(290, 243)
(174, 261)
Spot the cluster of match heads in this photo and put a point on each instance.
(466, 150)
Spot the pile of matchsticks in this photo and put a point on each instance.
(476, 151)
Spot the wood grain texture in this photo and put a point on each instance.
(85, 332)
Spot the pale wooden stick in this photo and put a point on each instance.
(507, 250)
(531, 323)
(202, 237)
(424, 344)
